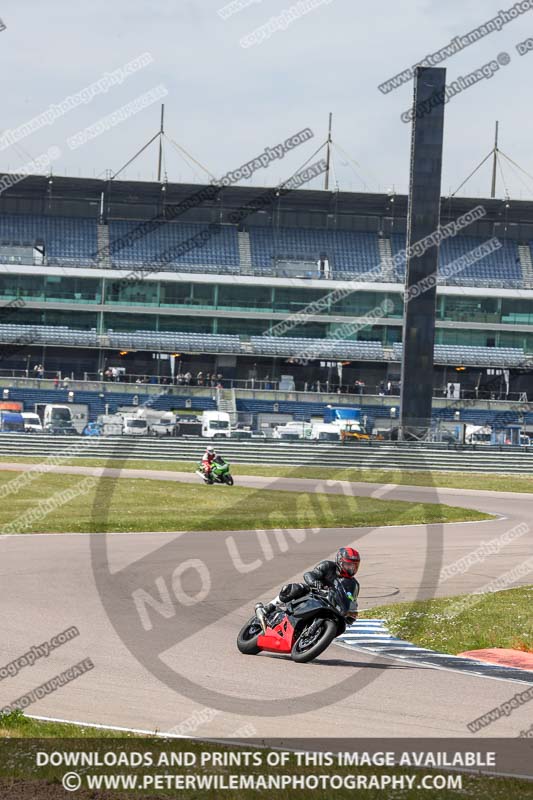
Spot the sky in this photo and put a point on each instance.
(225, 102)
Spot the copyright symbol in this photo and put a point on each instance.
(71, 781)
(504, 59)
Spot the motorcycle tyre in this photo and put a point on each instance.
(325, 640)
(245, 645)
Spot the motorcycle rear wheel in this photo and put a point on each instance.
(302, 653)
(247, 638)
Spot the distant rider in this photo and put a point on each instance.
(344, 567)
(207, 462)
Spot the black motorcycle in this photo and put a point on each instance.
(302, 627)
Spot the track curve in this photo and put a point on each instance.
(47, 584)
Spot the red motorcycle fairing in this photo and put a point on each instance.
(278, 639)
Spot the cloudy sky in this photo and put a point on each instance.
(225, 103)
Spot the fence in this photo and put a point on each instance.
(369, 455)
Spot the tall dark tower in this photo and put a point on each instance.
(423, 218)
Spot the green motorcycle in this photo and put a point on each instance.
(219, 472)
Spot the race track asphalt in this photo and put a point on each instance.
(50, 582)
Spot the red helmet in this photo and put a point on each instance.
(347, 561)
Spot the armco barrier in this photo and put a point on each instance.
(377, 455)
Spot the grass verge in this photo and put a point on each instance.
(128, 504)
(22, 779)
(17, 724)
(464, 622)
(452, 480)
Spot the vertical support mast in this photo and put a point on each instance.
(423, 220)
(328, 150)
(494, 162)
(161, 132)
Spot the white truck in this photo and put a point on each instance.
(159, 422)
(477, 434)
(163, 425)
(325, 432)
(294, 430)
(32, 422)
(110, 424)
(54, 416)
(132, 425)
(216, 425)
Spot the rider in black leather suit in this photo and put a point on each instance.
(344, 567)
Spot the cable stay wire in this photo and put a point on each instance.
(355, 164)
(186, 155)
(472, 173)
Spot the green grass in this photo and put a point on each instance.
(20, 776)
(128, 504)
(17, 724)
(464, 622)
(453, 480)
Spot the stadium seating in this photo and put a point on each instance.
(469, 355)
(176, 245)
(48, 334)
(194, 342)
(65, 239)
(305, 348)
(499, 268)
(347, 251)
(173, 244)
(187, 342)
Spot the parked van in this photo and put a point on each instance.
(11, 422)
(32, 422)
(216, 425)
(164, 425)
(134, 426)
(325, 432)
(294, 430)
(110, 424)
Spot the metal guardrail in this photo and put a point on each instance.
(376, 455)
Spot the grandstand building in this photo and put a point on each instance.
(118, 273)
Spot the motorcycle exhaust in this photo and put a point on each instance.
(260, 614)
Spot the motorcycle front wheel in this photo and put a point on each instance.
(247, 638)
(228, 479)
(309, 646)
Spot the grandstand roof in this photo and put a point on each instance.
(142, 198)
